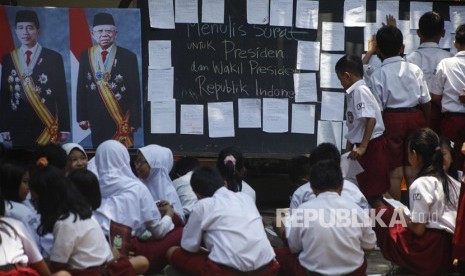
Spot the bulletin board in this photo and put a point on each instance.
(217, 63)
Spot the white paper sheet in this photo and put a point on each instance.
(397, 204)
(275, 115)
(303, 118)
(411, 39)
(160, 54)
(384, 8)
(328, 77)
(350, 168)
(191, 119)
(186, 11)
(445, 41)
(307, 14)
(305, 87)
(417, 9)
(163, 116)
(308, 55)
(220, 119)
(160, 84)
(213, 11)
(457, 16)
(161, 14)
(332, 106)
(329, 132)
(333, 36)
(258, 12)
(369, 31)
(250, 113)
(355, 13)
(281, 13)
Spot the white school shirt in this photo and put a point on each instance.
(361, 105)
(449, 81)
(30, 219)
(80, 244)
(373, 64)
(248, 190)
(331, 250)
(186, 194)
(427, 57)
(232, 229)
(428, 203)
(398, 84)
(17, 249)
(350, 191)
(132, 207)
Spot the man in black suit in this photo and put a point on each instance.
(108, 89)
(33, 100)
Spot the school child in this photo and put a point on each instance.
(77, 157)
(423, 244)
(127, 201)
(450, 159)
(19, 254)
(181, 175)
(229, 225)
(365, 136)
(153, 165)
(446, 89)
(315, 245)
(79, 247)
(230, 163)
(15, 187)
(428, 55)
(350, 191)
(403, 96)
(87, 184)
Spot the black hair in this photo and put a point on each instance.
(389, 41)
(232, 170)
(446, 144)
(55, 154)
(425, 143)
(325, 151)
(350, 63)
(460, 35)
(183, 166)
(88, 185)
(431, 24)
(58, 198)
(299, 168)
(205, 181)
(11, 175)
(326, 175)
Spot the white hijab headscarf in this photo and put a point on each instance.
(68, 147)
(113, 168)
(160, 160)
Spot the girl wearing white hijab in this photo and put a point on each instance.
(77, 157)
(153, 166)
(127, 201)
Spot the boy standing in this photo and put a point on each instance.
(447, 86)
(402, 93)
(365, 139)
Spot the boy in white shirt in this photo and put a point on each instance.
(231, 228)
(317, 246)
(365, 137)
(447, 89)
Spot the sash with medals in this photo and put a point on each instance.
(102, 76)
(51, 132)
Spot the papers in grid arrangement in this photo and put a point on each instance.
(220, 119)
(303, 118)
(160, 84)
(333, 36)
(328, 77)
(384, 8)
(308, 55)
(329, 132)
(281, 13)
(332, 106)
(250, 113)
(160, 54)
(163, 116)
(355, 13)
(305, 87)
(307, 14)
(186, 11)
(161, 14)
(191, 119)
(417, 9)
(258, 12)
(213, 11)
(275, 115)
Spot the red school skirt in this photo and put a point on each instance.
(120, 267)
(459, 234)
(430, 254)
(17, 270)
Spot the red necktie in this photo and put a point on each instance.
(28, 57)
(104, 55)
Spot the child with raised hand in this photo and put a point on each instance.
(230, 163)
(80, 246)
(421, 243)
(365, 136)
